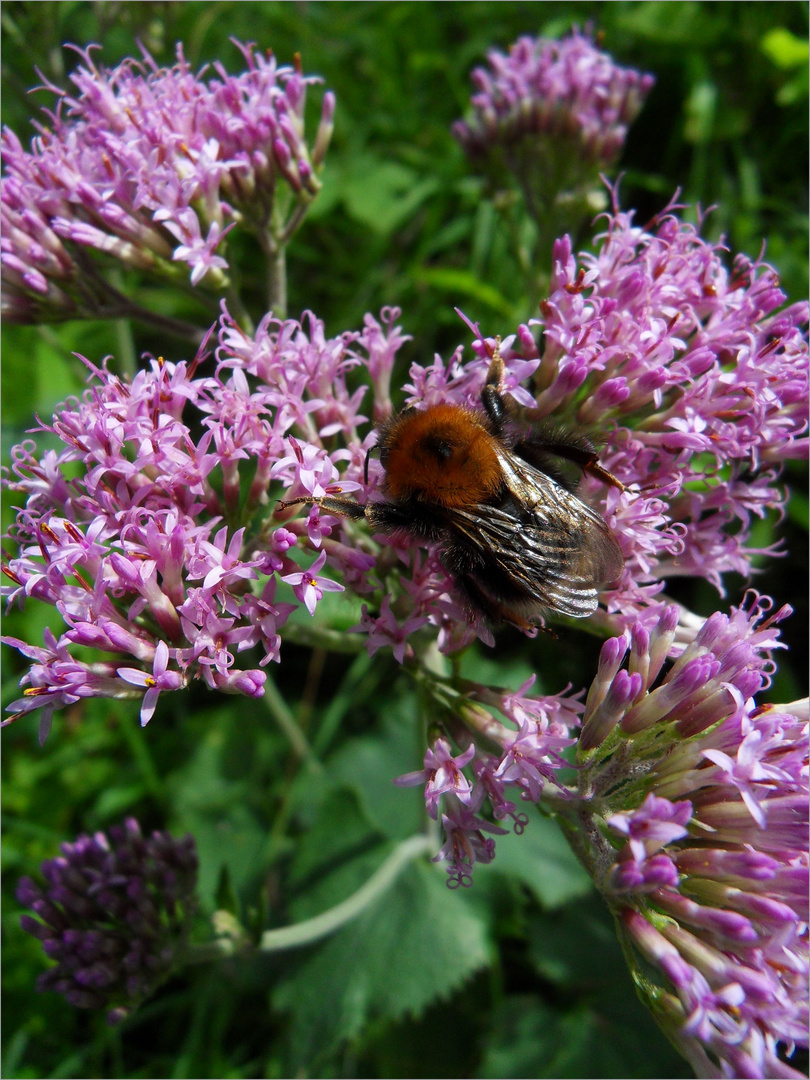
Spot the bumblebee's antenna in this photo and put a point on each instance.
(476, 329)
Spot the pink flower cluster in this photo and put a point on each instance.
(151, 524)
(696, 375)
(707, 823)
(532, 736)
(152, 166)
(689, 808)
(566, 90)
(163, 549)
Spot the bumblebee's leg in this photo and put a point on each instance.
(571, 446)
(408, 520)
(332, 505)
(595, 469)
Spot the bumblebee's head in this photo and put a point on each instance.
(442, 455)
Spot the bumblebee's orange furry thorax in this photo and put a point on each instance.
(442, 455)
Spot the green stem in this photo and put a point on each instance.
(311, 930)
(321, 637)
(294, 221)
(286, 721)
(139, 748)
(277, 280)
(130, 310)
(304, 933)
(238, 311)
(125, 348)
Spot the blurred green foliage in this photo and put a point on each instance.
(521, 976)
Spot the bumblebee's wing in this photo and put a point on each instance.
(548, 543)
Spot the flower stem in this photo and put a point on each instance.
(277, 280)
(286, 721)
(311, 930)
(131, 310)
(317, 637)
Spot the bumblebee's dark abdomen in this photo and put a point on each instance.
(462, 561)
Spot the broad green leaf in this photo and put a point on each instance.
(382, 195)
(216, 811)
(368, 766)
(416, 944)
(340, 828)
(577, 945)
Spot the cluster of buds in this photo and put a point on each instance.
(114, 914)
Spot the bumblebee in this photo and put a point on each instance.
(515, 538)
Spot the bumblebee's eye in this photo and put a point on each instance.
(441, 448)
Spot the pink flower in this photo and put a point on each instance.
(309, 588)
(134, 550)
(160, 679)
(565, 90)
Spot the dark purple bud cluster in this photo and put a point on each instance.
(114, 914)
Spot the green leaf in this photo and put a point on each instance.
(382, 195)
(216, 811)
(371, 765)
(542, 860)
(416, 944)
(577, 946)
(39, 371)
(654, 21)
(114, 802)
(785, 49)
(799, 508)
(461, 283)
(531, 1039)
(578, 951)
(339, 829)
(368, 766)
